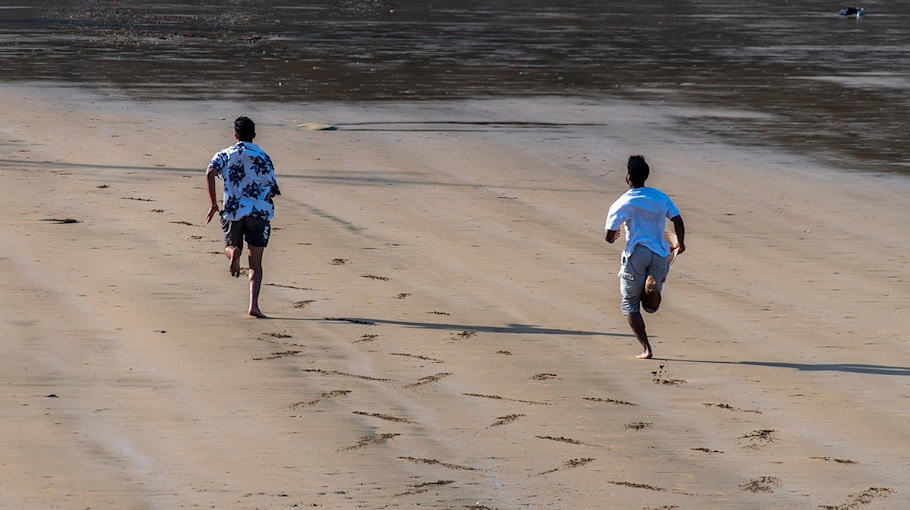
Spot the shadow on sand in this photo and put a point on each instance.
(456, 126)
(352, 178)
(524, 329)
(854, 368)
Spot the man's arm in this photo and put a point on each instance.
(615, 219)
(210, 185)
(680, 229)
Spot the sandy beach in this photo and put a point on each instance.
(445, 327)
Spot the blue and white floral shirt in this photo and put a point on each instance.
(249, 181)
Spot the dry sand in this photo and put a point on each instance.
(445, 329)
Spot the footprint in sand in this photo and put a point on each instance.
(468, 333)
(370, 440)
(762, 484)
(831, 459)
(277, 355)
(706, 450)
(352, 321)
(505, 420)
(562, 439)
(863, 498)
(608, 401)
(648, 487)
(381, 416)
(434, 462)
(497, 397)
(325, 396)
(416, 356)
(345, 374)
(662, 376)
(730, 408)
(424, 487)
(759, 438)
(570, 464)
(428, 379)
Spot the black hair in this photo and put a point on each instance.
(638, 170)
(245, 129)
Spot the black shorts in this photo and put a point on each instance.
(255, 229)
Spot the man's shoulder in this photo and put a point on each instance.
(654, 194)
(653, 191)
(227, 151)
(651, 199)
(263, 153)
(220, 159)
(620, 201)
(250, 146)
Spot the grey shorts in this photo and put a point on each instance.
(252, 228)
(632, 273)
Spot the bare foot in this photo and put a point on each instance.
(650, 300)
(234, 255)
(257, 314)
(645, 355)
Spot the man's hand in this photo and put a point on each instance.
(680, 228)
(212, 211)
(612, 235)
(210, 173)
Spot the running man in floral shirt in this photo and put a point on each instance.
(249, 186)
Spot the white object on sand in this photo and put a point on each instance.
(313, 126)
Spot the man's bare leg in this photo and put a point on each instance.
(233, 255)
(638, 327)
(255, 281)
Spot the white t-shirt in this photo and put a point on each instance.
(644, 212)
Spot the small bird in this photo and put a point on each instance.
(851, 11)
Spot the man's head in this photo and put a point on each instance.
(244, 129)
(637, 171)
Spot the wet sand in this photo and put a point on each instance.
(825, 86)
(445, 327)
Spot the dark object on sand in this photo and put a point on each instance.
(61, 221)
(851, 11)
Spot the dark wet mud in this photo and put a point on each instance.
(813, 82)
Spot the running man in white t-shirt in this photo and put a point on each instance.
(644, 212)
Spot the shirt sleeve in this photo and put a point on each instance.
(274, 190)
(218, 162)
(615, 218)
(672, 211)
